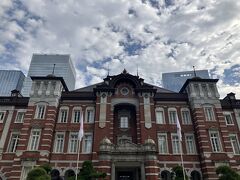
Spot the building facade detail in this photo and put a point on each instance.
(130, 128)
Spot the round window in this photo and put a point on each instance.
(124, 91)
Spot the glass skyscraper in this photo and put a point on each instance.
(175, 80)
(10, 80)
(43, 64)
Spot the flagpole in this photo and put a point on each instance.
(80, 136)
(179, 132)
(182, 160)
(79, 142)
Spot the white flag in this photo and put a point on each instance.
(179, 130)
(81, 131)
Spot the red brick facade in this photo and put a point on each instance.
(123, 135)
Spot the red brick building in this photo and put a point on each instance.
(130, 128)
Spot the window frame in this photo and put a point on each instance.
(231, 118)
(89, 109)
(18, 112)
(166, 143)
(169, 116)
(84, 143)
(160, 109)
(189, 122)
(207, 114)
(31, 140)
(56, 141)
(178, 141)
(193, 143)
(237, 141)
(70, 142)
(124, 122)
(3, 116)
(15, 144)
(219, 141)
(60, 115)
(73, 114)
(37, 111)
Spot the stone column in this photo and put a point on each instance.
(113, 171)
(142, 171)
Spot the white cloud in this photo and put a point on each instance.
(173, 37)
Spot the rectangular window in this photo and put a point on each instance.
(162, 143)
(40, 112)
(209, 113)
(190, 143)
(175, 144)
(34, 140)
(160, 117)
(90, 116)
(2, 116)
(228, 119)
(186, 117)
(63, 115)
(59, 143)
(13, 142)
(172, 117)
(76, 116)
(19, 118)
(234, 143)
(124, 122)
(87, 143)
(73, 143)
(215, 141)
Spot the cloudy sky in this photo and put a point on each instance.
(155, 35)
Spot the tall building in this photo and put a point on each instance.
(43, 64)
(130, 129)
(10, 80)
(175, 80)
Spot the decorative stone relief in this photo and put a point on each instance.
(103, 110)
(147, 110)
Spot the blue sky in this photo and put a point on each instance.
(155, 35)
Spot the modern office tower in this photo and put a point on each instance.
(43, 65)
(175, 80)
(10, 80)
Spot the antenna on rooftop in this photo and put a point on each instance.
(53, 68)
(108, 69)
(137, 69)
(194, 71)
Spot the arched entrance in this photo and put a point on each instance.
(69, 173)
(195, 175)
(165, 175)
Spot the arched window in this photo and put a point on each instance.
(165, 175)
(159, 112)
(186, 117)
(55, 174)
(172, 115)
(76, 114)
(195, 175)
(40, 110)
(63, 114)
(89, 115)
(209, 112)
(69, 173)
